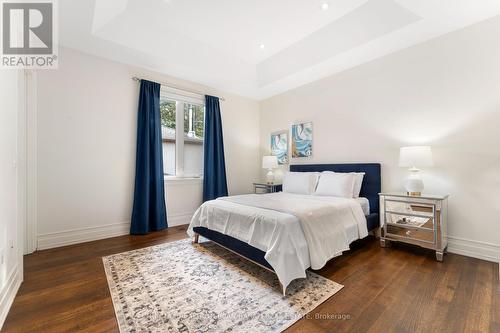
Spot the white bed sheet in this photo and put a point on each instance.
(365, 205)
(279, 234)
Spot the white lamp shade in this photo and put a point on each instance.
(415, 156)
(269, 162)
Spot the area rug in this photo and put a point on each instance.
(185, 287)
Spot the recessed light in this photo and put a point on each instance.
(324, 6)
(262, 46)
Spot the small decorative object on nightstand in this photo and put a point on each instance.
(414, 220)
(261, 188)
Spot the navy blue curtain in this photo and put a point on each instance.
(214, 168)
(149, 212)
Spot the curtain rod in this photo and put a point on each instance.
(138, 79)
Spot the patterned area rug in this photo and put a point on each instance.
(185, 287)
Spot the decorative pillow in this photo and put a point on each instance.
(335, 184)
(358, 181)
(300, 182)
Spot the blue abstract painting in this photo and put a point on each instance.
(279, 146)
(302, 140)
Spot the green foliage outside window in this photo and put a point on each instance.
(167, 112)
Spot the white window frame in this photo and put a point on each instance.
(181, 97)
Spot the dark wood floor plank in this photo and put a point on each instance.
(417, 295)
(461, 303)
(495, 302)
(479, 314)
(361, 304)
(390, 299)
(434, 316)
(398, 289)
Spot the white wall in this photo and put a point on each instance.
(444, 93)
(11, 165)
(87, 112)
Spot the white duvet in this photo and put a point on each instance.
(296, 231)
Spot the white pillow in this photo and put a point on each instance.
(358, 181)
(300, 182)
(335, 184)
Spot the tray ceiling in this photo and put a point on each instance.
(258, 48)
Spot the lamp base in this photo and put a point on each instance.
(414, 185)
(270, 177)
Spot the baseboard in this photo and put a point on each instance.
(76, 236)
(179, 219)
(475, 249)
(8, 293)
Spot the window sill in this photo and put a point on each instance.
(183, 180)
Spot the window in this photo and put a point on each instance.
(182, 120)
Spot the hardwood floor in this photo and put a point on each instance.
(398, 289)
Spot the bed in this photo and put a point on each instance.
(269, 229)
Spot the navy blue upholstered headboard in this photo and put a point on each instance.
(372, 182)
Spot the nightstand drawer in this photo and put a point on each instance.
(408, 208)
(411, 220)
(397, 232)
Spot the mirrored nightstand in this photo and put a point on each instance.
(415, 220)
(261, 188)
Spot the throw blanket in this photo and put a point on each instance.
(323, 220)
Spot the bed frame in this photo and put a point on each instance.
(370, 189)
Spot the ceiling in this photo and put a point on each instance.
(258, 48)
